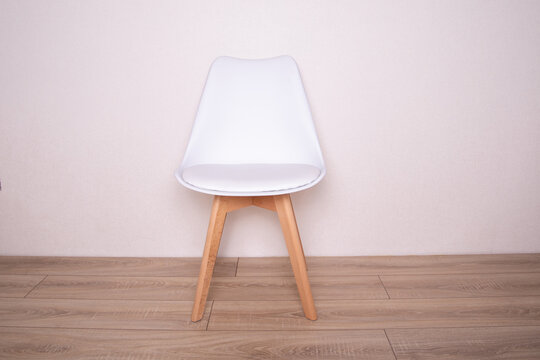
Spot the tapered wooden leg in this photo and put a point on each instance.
(294, 245)
(213, 237)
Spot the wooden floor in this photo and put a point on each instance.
(411, 307)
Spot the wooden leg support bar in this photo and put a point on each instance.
(283, 206)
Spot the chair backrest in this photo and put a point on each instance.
(253, 112)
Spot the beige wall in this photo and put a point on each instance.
(428, 114)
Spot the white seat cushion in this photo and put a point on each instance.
(243, 178)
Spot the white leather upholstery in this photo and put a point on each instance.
(253, 134)
(247, 178)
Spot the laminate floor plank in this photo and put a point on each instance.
(114, 266)
(393, 265)
(117, 287)
(488, 343)
(462, 285)
(102, 314)
(55, 344)
(18, 285)
(440, 307)
(376, 314)
(221, 288)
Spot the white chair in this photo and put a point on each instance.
(253, 143)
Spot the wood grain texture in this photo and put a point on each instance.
(103, 314)
(451, 307)
(495, 343)
(18, 285)
(463, 285)
(265, 202)
(296, 253)
(28, 344)
(232, 203)
(211, 247)
(222, 288)
(114, 266)
(117, 288)
(377, 314)
(394, 265)
(284, 288)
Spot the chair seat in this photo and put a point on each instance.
(249, 178)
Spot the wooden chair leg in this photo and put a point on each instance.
(213, 237)
(294, 245)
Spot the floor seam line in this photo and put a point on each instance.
(390, 344)
(35, 286)
(209, 315)
(384, 287)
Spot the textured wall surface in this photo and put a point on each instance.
(428, 114)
